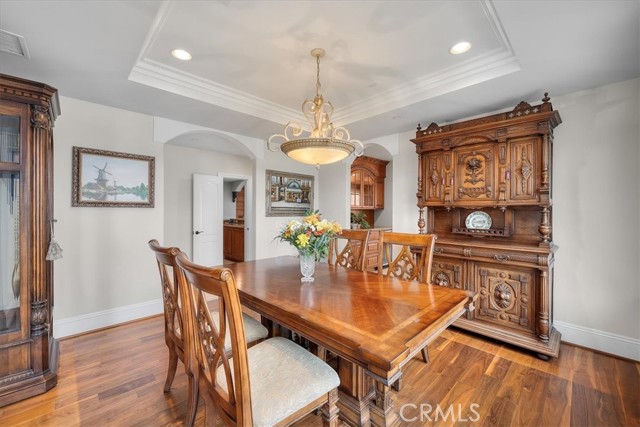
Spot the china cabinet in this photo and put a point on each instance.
(28, 352)
(485, 188)
(367, 183)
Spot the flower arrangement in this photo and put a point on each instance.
(311, 235)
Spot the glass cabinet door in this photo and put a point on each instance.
(356, 187)
(367, 190)
(10, 286)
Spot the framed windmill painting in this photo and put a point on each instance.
(111, 179)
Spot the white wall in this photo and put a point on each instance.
(334, 192)
(107, 264)
(595, 216)
(180, 165)
(404, 180)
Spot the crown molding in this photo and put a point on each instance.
(170, 79)
(160, 76)
(493, 64)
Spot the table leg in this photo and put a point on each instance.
(355, 394)
(274, 329)
(383, 413)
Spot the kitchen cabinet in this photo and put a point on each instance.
(233, 242)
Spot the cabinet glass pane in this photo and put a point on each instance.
(367, 190)
(9, 252)
(9, 139)
(356, 184)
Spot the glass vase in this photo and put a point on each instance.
(307, 267)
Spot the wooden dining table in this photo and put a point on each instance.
(373, 323)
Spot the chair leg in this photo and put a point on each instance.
(210, 415)
(192, 401)
(330, 410)
(425, 355)
(173, 365)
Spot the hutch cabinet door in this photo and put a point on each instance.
(434, 177)
(525, 169)
(448, 272)
(507, 295)
(475, 173)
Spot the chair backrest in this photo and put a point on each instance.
(229, 388)
(166, 259)
(354, 253)
(414, 255)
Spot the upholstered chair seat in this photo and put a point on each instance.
(284, 378)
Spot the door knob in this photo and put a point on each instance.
(198, 232)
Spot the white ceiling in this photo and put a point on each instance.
(387, 65)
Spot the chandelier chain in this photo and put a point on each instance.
(318, 86)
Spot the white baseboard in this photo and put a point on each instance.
(599, 340)
(100, 319)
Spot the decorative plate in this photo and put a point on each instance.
(478, 220)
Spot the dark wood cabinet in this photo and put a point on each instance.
(233, 242)
(28, 352)
(484, 187)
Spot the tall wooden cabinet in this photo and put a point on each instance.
(485, 187)
(28, 352)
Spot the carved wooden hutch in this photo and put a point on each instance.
(485, 188)
(28, 353)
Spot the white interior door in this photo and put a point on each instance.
(207, 219)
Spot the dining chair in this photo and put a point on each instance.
(413, 255)
(412, 260)
(273, 383)
(174, 324)
(353, 254)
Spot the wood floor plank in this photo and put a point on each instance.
(115, 377)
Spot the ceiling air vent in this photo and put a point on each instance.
(13, 43)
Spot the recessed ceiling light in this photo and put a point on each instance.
(181, 54)
(460, 47)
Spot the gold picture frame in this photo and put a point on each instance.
(111, 179)
(288, 194)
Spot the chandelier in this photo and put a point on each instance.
(324, 143)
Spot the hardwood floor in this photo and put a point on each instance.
(114, 377)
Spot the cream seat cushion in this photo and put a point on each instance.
(284, 378)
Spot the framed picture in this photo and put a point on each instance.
(112, 179)
(288, 194)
